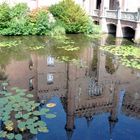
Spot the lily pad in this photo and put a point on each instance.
(29, 95)
(22, 94)
(41, 124)
(30, 121)
(35, 118)
(5, 117)
(14, 88)
(25, 116)
(8, 122)
(33, 130)
(44, 111)
(25, 113)
(10, 136)
(18, 115)
(50, 116)
(3, 134)
(8, 94)
(37, 113)
(18, 137)
(43, 129)
(3, 92)
(5, 84)
(22, 125)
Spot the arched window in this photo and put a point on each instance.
(98, 4)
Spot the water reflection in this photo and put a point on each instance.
(91, 86)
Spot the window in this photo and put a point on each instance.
(50, 61)
(31, 84)
(30, 64)
(50, 78)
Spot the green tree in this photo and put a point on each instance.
(4, 15)
(72, 17)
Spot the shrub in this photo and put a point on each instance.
(4, 15)
(33, 14)
(16, 27)
(58, 32)
(19, 10)
(42, 21)
(17, 22)
(72, 17)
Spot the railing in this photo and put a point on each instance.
(114, 14)
(96, 12)
(111, 14)
(130, 16)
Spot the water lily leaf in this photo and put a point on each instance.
(18, 137)
(9, 122)
(18, 115)
(18, 98)
(22, 125)
(8, 94)
(35, 118)
(31, 102)
(50, 116)
(8, 108)
(33, 131)
(14, 88)
(27, 108)
(10, 136)
(4, 84)
(9, 128)
(17, 104)
(43, 129)
(3, 92)
(30, 121)
(26, 116)
(22, 94)
(23, 90)
(3, 134)
(41, 124)
(36, 104)
(26, 100)
(29, 95)
(36, 113)
(6, 117)
(44, 111)
(19, 90)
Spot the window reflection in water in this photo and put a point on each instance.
(31, 64)
(31, 87)
(50, 61)
(82, 90)
(50, 78)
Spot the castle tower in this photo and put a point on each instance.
(113, 118)
(70, 110)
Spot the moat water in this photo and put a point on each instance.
(96, 97)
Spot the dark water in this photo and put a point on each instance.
(96, 97)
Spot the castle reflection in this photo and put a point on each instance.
(92, 85)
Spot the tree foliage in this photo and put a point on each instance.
(64, 16)
(18, 20)
(72, 17)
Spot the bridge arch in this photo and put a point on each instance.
(96, 22)
(111, 28)
(128, 32)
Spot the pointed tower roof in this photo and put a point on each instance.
(89, 119)
(112, 124)
(69, 134)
